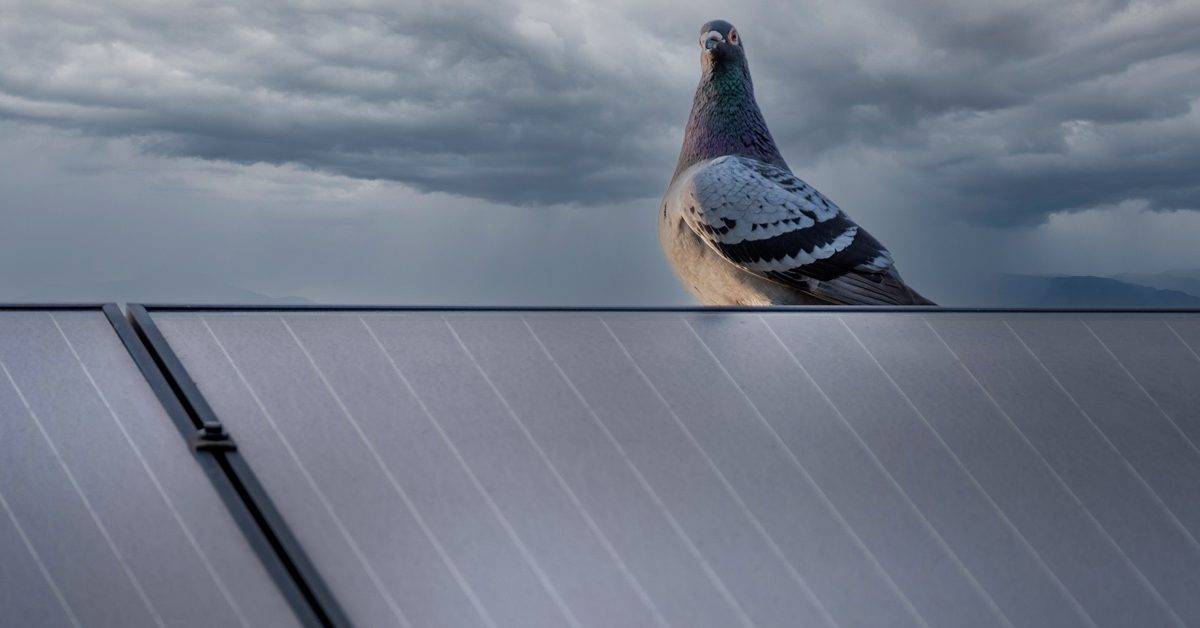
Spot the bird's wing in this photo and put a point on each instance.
(767, 221)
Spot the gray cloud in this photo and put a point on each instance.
(483, 98)
(1004, 115)
(990, 114)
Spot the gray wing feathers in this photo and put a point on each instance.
(765, 220)
(734, 199)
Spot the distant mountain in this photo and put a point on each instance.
(1182, 280)
(1067, 291)
(151, 289)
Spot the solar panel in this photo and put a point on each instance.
(106, 517)
(720, 468)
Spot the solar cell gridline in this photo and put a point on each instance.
(1076, 529)
(106, 499)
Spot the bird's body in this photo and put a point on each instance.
(739, 228)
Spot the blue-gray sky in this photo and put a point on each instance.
(515, 152)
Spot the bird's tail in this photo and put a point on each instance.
(855, 288)
(917, 299)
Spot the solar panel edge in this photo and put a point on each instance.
(247, 502)
(317, 307)
(59, 307)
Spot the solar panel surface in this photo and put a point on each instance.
(722, 468)
(106, 516)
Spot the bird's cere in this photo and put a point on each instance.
(709, 40)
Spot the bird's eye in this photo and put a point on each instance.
(733, 37)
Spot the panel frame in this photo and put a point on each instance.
(248, 508)
(151, 308)
(52, 307)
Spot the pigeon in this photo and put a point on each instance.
(739, 228)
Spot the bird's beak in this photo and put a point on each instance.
(709, 40)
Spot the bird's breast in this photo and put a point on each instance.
(708, 276)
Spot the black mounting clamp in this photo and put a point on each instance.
(212, 437)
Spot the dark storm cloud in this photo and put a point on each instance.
(987, 113)
(483, 99)
(1002, 114)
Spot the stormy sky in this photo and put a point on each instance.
(514, 152)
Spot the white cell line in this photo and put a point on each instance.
(1058, 479)
(37, 558)
(1181, 340)
(1185, 343)
(683, 536)
(187, 532)
(737, 498)
(543, 579)
(972, 582)
(1075, 605)
(440, 549)
(630, 579)
(1191, 444)
(137, 586)
(312, 483)
(1175, 521)
(828, 503)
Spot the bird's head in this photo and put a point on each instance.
(720, 45)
